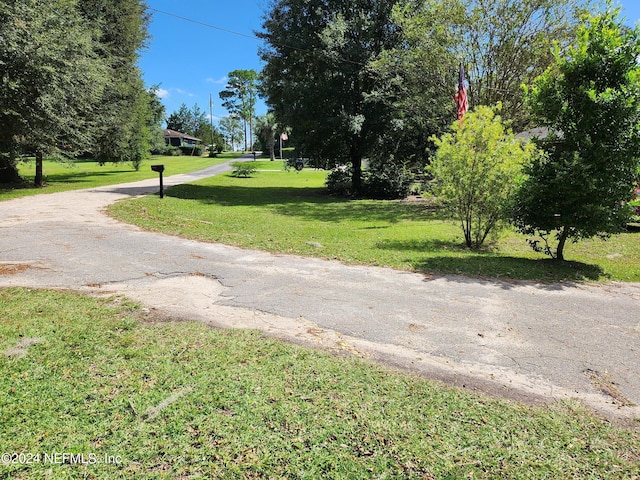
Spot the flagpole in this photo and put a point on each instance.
(461, 97)
(211, 116)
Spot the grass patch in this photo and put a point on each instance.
(60, 176)
(181, 400)
(289, 212)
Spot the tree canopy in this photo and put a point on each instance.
(239, 98)
(69, 83)
(590, 102)
(50, 76)
(376, 79)
(507, 43)
(317, 77)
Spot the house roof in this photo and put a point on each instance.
(174, 134)
(537, 132)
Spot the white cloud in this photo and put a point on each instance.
(162, 93)
(220, 81)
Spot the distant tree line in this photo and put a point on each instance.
(195, 122)
(69, 83)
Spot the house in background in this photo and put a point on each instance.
(177, 139)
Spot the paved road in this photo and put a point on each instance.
(518, 340)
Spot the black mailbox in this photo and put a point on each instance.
(159, 169)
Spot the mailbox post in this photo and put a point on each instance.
(159, 169)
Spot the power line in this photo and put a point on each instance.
(245, 35)
(208, 25)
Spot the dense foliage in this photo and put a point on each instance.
(316, 77)
(375, 79)
(590, 102)
(69, 81)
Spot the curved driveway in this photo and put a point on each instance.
(518, 340)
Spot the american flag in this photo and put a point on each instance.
(462, 101)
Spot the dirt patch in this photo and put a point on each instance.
(19, 350)
(603, 382)
(13, 268)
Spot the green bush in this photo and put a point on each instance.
(339, 182)
(244, 169)
(476, 170)
(386, 181)
(192, 151)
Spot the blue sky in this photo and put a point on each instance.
(191, 60)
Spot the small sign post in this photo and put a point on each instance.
(159, 169)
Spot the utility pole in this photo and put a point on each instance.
(211, 117)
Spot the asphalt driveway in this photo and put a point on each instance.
(526, 341)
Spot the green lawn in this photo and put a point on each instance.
(61, 176)
(289, 212)
(138, 399)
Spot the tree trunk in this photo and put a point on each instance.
(245, 134)
(561, 243)
(272, 148)
(38, 179)
(8, 172)
(356, 162)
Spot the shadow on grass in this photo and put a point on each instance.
(503, 269)
(448, 257)
(423, 245)
(312, 204)
(487, 264)
(79, 177)
(56, 178)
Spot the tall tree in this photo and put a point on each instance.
(508, 43)
(50, 77)
(590, 102)
(239, 98)
(231, 129)
(416, 78)
(268, 129)
(317, 77)
(124, 113)
(156, 119)
(180, 120)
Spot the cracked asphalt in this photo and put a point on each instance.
(524, 341)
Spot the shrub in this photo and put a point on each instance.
(339, 182)
(244, 169)
(136, 163)
(475, 171)
(192, 151)
(386, 181)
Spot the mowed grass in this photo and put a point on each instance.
(60, 176)
(134, 399)
(289, 212)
